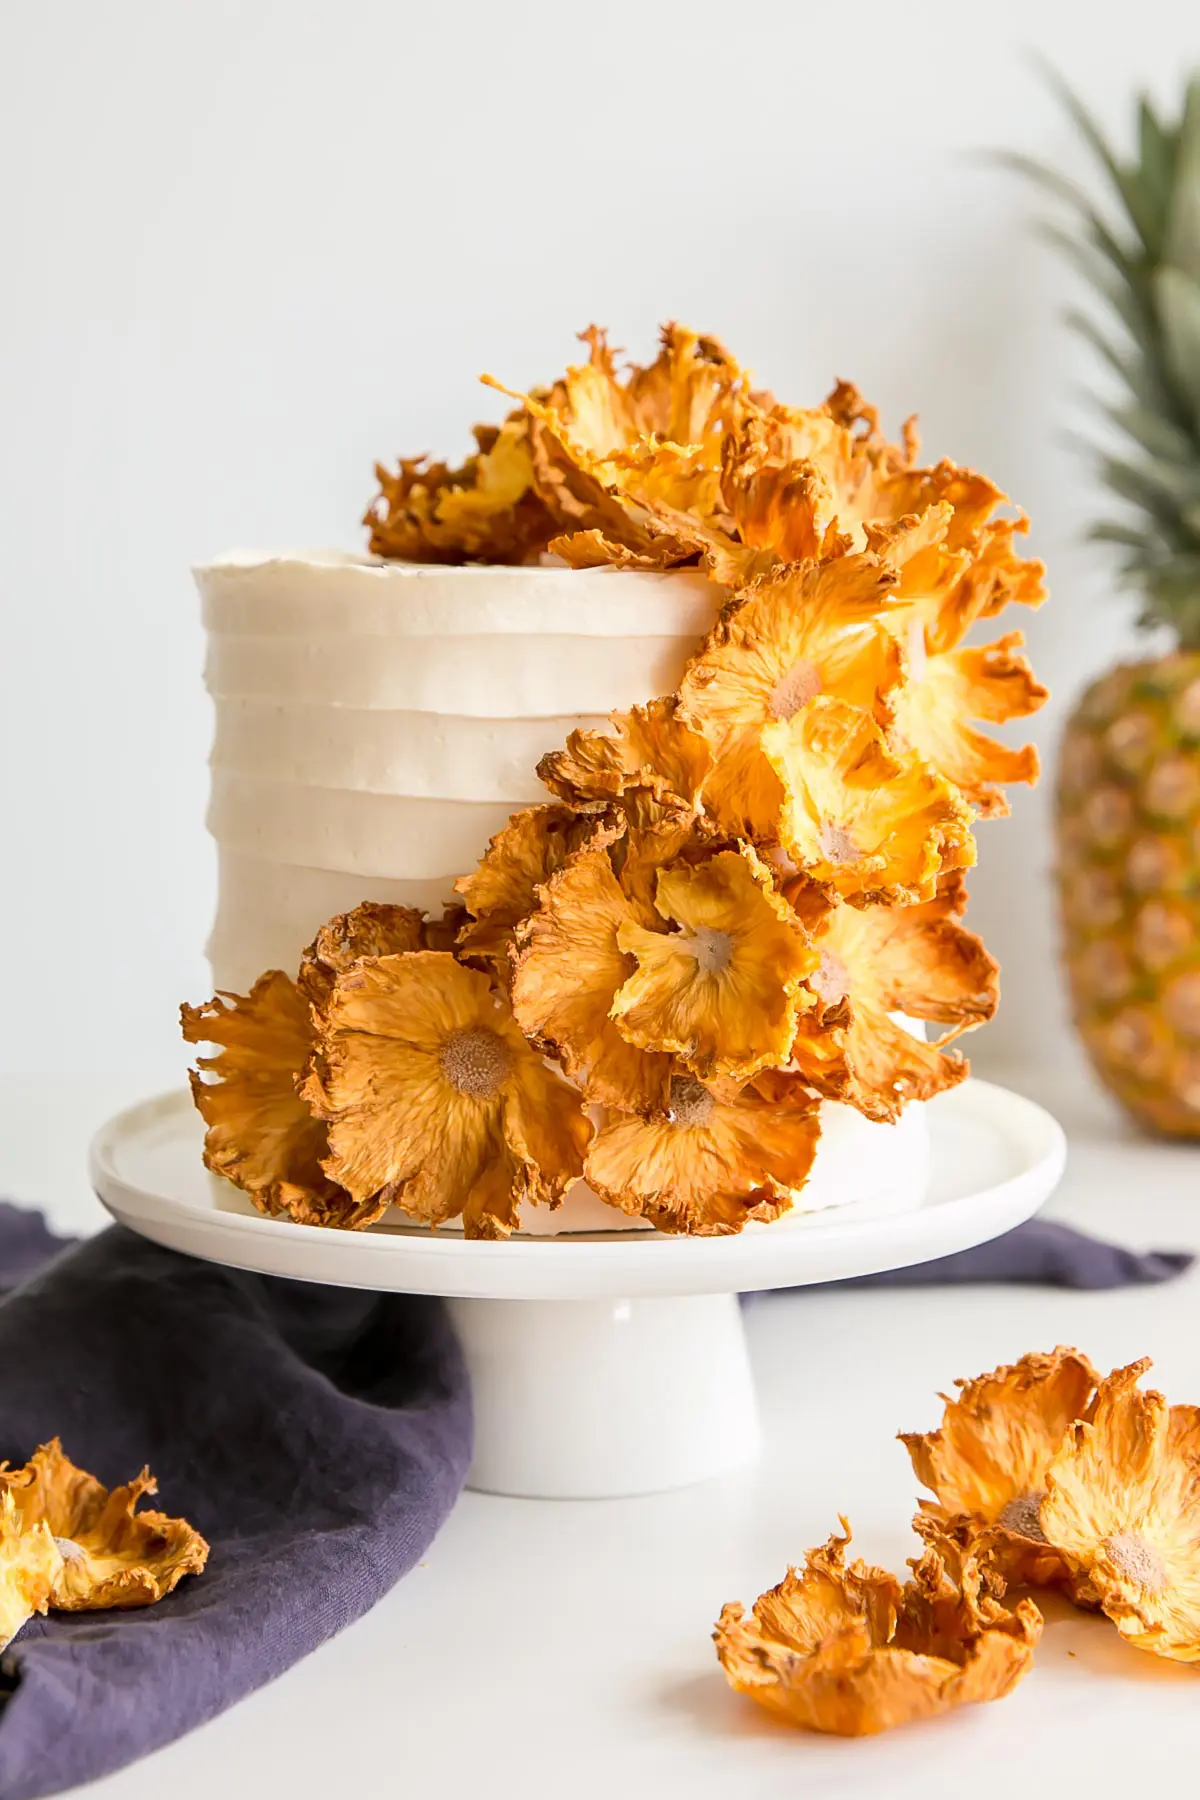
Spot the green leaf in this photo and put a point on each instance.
(1121, 295)
(1156, 435)
(1125, 535)
(1156, 151)
(1128, 183)
(1182, 238)
(1140, 374)
(1178, 299)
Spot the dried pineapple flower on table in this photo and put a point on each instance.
(1122, 1507)
(878, 960)
(799, 632)
(942, 592)
(262, 1134)
(714, 1158)
(433, 1098)
(111, 1555)
(31, 1565)
(485, 511)
(502, 889)
(848, 1649)
(649, 749)
(987, 1464)
(876, 823)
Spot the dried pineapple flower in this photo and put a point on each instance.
(567, 968)
(797, 633)
(649, 749)
(987, 1462)
(111, 1555)
(715, 1158)
(261, 1134)
(721, 992)
(372, 929)
(878, 960)
(633, 469)
(31, 1564)
(434, 1100)
(846, 1649)
(942, 592)
(875, 823)
(486, 511)
(1121, 1507)
(502, 889)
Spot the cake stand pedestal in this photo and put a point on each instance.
(605, 1364)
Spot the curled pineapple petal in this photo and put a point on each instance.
(846, 1648)
(502, 889)
(933, 714)
(722, 991)
(485, 511)
(371, 929)
(567, 970)
(1120, 1506)
(714, 1158)
(262, 1134)
(110, 1554)
(874, 823)
(434, 1099)
(988, 1461)
(648, 749)
(794, 634)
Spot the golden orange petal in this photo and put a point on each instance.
(30, 1567)
(485, 511)
(715, 1159)
(649, 748)
(721, 992)
(848, 1650)
(502, 889)
(371, 929)
(112, 1555)
(567, 969)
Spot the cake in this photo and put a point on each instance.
(552, 647)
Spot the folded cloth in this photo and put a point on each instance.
(1040, 1253)
(317, 1436)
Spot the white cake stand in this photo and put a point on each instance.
(605, 1364)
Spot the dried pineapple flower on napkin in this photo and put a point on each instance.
(31, 1565)
(987, 1464)
(848, 1649)
(110, 1555)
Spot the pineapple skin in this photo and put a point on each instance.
(1128, 877)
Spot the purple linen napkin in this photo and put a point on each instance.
(1039, 1253)
(317, 1436)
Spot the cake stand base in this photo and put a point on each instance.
(606, 1363)
(588, 1399)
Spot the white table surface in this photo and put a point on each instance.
(551, 1648)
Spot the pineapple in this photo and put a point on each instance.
(1128, 795)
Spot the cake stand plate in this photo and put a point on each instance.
(602, 1364)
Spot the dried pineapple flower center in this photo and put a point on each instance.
(475, 1062)
(795, 689)
(1133, 1559)
(837, 846)
(690, 1102)
(712, 949)
(1022, 1516)
(830, 978)
(69, 1550)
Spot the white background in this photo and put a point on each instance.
(248, 247)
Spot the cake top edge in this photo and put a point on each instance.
(379, 568)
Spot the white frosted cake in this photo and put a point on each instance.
(377, 722)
